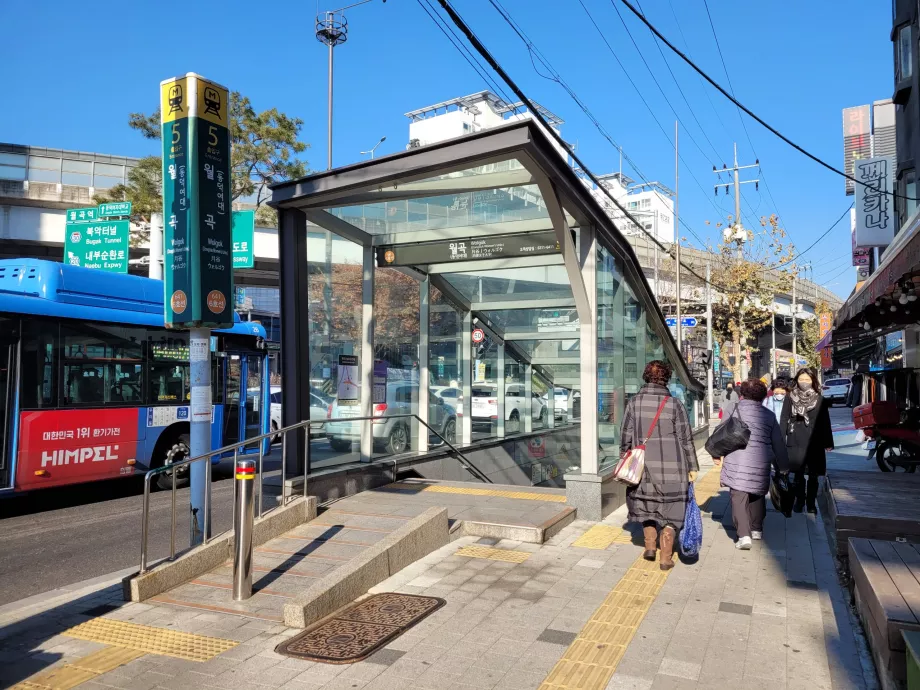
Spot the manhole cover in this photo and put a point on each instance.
(361, 629)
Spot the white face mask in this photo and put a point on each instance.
(779, 395)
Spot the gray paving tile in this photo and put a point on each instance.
(385, 657)
(742, 609)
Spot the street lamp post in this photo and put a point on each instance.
(374, 148)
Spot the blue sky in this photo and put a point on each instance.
(78, 68)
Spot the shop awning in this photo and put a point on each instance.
(901, 260)
(860, 350)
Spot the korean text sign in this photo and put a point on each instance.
(198, 275)
(244, 228)
(102, 244)
(875, 209)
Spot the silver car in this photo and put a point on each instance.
(836, 390)
(391, 434)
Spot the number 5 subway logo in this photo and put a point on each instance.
(198, 271)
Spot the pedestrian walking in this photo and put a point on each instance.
(746, 472)
(774, 401)
(659, 501)
(729, 400)
(806, 423)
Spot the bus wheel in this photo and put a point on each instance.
(178, 452)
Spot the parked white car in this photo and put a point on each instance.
(836, 390)
(391, 434)
(452, 397)
(319, 411)
(485, 406)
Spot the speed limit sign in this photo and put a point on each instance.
(478, 335)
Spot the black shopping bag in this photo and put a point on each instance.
(781, 494)
(731, 435)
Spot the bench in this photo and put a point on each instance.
(885, 580)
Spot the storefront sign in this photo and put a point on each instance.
(875, 213)
(69, 446)
(198, 272)
(347, 391)
(857, 139)
(468, 249)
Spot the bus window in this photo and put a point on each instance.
(38, 349)
(168, 369)
(102, 364)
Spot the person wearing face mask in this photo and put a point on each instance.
(774, 401)
(729, 401)
(807, 424)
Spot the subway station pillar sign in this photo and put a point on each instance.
(198, 271)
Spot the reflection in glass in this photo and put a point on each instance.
(445, 355)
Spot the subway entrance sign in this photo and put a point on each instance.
(468, 249)
(198, 271)
(94, 243)
(244, 230)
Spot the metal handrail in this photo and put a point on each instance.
(235, 447)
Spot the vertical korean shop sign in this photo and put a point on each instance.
(198, 275)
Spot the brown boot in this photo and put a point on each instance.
(650, 532)
(667, 548)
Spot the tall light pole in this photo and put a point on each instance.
(680, 344)
(374, 148)
(332, 30)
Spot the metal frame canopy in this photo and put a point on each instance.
(356, 202)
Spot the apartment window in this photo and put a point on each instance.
(633, 205)
(648, 226)
(907, 205)
(645, 204)
(665, 219)
(904, 63)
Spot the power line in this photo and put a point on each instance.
(823, 235)
(754, 115)
(533, 50)
(461, 48)
(493, 63)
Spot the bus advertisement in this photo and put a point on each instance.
(93, 386)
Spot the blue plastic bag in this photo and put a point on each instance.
(691, 536)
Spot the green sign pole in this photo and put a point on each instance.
(196, 201)
(244, 231)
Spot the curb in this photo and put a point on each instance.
(417, 538)
(169, 574)
(530, 534)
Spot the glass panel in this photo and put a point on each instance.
(102, 364)
(85, 167)
(336, 268)
(445, 370)
(44, 163)
(396, 342)
(8, 172)
(484, 391)
(17, 159)
(253, 412)
(104, 182)
(39, 175)
(517, 406)
(233, 380)
(110, 170)
(541, 399)
(519, 284)
(904, 62)
(610, 359)
(76, 179)
(515, 321)
(38, 350)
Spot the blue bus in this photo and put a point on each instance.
(93, 386)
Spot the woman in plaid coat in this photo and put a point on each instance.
(660, 499)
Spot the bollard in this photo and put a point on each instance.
(242, 529)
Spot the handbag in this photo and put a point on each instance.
(631, 466)
(691, 536)
(731, 435)
(780, 494)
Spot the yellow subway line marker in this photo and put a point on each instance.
(493, 554)
(469, 491)
(151, 640)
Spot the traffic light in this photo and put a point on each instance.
(704, 358)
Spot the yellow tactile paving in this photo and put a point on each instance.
(151, 640)
(592, 658)
(493, 554)
(59, 678)
(107, 659)
(469, 491)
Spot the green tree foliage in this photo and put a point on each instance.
(265, 149)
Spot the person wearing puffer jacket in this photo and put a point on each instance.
(746, 472)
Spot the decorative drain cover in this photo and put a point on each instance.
(361, 629)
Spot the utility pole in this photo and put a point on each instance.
(680, 340)
(773, 332)
(736, 233)
(709, 330)
(795, 312)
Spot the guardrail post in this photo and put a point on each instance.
(245, 472)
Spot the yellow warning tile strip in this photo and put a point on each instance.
(493, 554)
(593, 657)
(150, 640)
(469, 491)
(76, 672)
(602, 536)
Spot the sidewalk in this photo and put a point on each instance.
(580, 611)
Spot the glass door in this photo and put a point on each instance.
(233, 377)
(252, 412)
